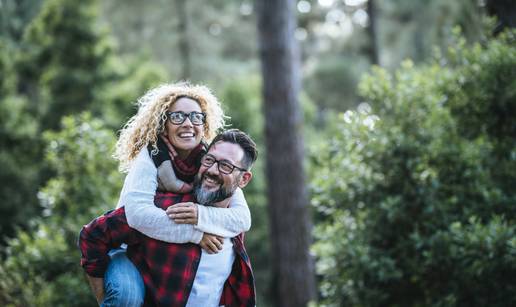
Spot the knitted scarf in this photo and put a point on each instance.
(185, 169)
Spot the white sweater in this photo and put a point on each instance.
(137, 196)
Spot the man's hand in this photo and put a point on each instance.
(97, 287)
(212, 244)
(183, 213)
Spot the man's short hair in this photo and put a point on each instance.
(240, 138)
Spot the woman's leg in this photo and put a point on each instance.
(123, 284)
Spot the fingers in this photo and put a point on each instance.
(209, 247)
(211, 244)
(187, 187)
(190, 221)
(213, 247)
(181, 210)
(171, 149)
(181, 207)
(183, 213)
(218, 243)
(219, 240)
(181, 216)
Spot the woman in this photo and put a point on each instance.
(185, 116)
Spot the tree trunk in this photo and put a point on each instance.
(184, 43)
(505, 11)
(290, 224)
(371, 31)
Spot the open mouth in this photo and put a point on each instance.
(186, 135)
(211, 180)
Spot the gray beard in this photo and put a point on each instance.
(209, 198)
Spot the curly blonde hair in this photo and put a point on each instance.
(145, 126)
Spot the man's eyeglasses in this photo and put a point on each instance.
(179, 117)
(224, 166)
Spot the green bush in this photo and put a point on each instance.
(41, 267)
(414, 192)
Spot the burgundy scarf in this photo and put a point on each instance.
(186, 168)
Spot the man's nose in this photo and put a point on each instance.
(213, 169)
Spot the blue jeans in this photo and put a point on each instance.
(123, 284)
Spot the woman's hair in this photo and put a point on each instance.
(144, 127)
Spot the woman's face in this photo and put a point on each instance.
(186, 136)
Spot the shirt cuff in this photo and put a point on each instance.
(197, 236)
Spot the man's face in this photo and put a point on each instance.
(211, 185)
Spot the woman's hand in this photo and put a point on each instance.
(183, 213)
(171, 150)
(212, 244)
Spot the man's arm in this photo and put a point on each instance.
(96, 239)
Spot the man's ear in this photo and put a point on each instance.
(244, 180)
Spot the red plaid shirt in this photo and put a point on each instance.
(168, 269)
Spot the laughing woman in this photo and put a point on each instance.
(160, 147)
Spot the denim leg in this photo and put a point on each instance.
(123, 284)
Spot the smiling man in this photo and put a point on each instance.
(183, 274)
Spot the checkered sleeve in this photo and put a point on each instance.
(239, 289)
(101, 235)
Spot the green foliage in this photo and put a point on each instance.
(64, 57)
(333, 83)
(413, 209)
(116, 103)
(14, 16)
(65, 63)
(19, 147)
(41, 263)
(68, 65)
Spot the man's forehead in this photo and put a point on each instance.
(226, 150)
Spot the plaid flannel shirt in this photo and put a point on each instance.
(168, 269)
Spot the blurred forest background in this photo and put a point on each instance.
(409, 128)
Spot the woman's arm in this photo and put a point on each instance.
(138, 198)
(225, 222)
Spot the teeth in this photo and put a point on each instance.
(211, 180)
(186, 135)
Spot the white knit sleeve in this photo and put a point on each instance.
(138, 198)
(226, 222)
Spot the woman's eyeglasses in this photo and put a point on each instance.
(179, 117)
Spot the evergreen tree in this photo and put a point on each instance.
(64, 63)
(19, 149)
(290, 220)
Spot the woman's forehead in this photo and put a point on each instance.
(185, 104)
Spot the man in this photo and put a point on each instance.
(177, 274)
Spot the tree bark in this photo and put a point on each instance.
(371, 30)
(505, 11)
(184, 42)
(290, 223)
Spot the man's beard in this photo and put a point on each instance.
(208, 198)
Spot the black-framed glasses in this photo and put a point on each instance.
(179, 117)
(224, 166)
